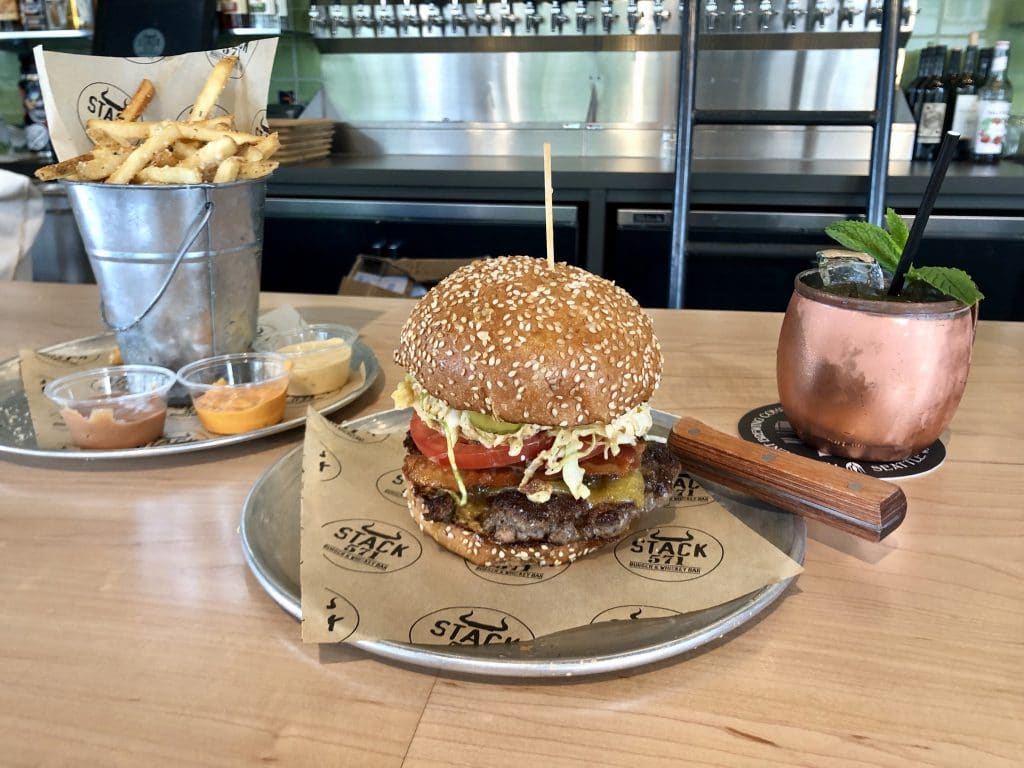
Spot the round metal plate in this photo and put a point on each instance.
(270, 541)
(17, 435)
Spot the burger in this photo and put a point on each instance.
(529, 385)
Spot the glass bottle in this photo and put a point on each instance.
(994, 108)
(965, 105)
(924, 73)
(931, 112)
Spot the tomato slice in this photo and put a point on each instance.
(470, 455)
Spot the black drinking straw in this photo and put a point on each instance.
(931, 192)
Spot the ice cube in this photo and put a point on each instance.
(839, 267)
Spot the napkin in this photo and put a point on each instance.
(21, 217)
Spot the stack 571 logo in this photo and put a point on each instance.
(370, 546)
(468, 625)
(103, 101)
(670, 553)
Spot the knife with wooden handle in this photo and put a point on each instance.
(858, 504)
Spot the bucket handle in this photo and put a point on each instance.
(202, 218)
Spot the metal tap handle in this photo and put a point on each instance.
(582, 17)
(821, 12)
(608, 16)
(661, 15)
(739, 14)
(558, 18)
(793, 13)
(483, 20)
(508, 19)
(633, 16)
(873, 12)
(847, 13)
(711, 14)
(765, 14)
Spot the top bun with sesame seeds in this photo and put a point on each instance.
(525, 342)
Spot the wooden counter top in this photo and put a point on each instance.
(133, 634)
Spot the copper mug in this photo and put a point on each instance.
(867, 379)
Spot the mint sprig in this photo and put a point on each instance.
(950, 280)
(886, 246)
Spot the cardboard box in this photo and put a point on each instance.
(376, 276)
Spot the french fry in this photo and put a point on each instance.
(228, 170)
(258, 169)
(137, 105)
(184, 149)
(124, 132)
(211, 154)
(62, 169)
(203, 149)
(212, 88)
(205, 132)
(160, 139)
(169, 174)
(101, 165)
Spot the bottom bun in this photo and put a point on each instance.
(481, 550)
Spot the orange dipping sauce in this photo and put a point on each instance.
(230, 410)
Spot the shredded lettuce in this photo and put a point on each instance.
(569, 444)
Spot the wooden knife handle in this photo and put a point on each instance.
(862, 505)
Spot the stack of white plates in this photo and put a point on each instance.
(302, 139)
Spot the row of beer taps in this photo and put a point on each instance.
(409, 21)
(455, 17)
(800, 13)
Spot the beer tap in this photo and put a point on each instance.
(386, 18)
(459, 17)
(434, 18)
(533, 19)
(906, 12)
(508, 19)
(873, 13)
(340, 17)
(364, 20)
(558, 18)
(411, 17)
(608, 16)
(633, 16)
(765, 14)
(847, 10)
(793, 14)
(315, 20)
(739, 14)
(482, 18)
(661, 15)
(582, 17)
(820, 13)
(711, 14)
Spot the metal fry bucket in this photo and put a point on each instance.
(178, 266)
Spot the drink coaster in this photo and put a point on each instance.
(767, 425)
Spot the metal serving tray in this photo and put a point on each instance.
(270, 541)
(17, 435)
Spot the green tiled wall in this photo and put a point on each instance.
(10, 98)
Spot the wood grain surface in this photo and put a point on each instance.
(132, 633)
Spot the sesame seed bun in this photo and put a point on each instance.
(528, 343)
(481, 550)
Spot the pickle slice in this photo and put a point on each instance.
(491, 424)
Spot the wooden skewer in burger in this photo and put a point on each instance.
(530, 382)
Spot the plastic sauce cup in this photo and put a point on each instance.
(119, 406)
(239, 392)
(321, 357)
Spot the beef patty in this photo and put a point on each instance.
(509, 517)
